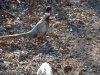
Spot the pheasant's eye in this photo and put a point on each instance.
(48, 8)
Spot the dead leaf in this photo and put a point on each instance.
(3, 43)
(10, 41)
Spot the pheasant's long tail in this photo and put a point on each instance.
(14, 36)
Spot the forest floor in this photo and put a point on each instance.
(73, 49)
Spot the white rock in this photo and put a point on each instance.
(45, 69)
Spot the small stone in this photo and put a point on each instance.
(22, 57)
(59, 66)
(82, 72)
(56, 24)
(8, 27)
(2, 29)
(10, 72)
(54, 70)
(1, 60)
(3, 67)
(89, 38)
(67, 69)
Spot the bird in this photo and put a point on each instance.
(45, 69)
(39, 30)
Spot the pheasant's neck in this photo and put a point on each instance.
(47, 20)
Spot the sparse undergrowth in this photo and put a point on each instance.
(73, 48)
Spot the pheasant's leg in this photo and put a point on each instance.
(41, 39)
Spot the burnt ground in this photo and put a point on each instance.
(72, 49)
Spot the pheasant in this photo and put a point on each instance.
(38, 31)
(45, 69)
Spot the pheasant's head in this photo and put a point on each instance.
(48, 9)
(47, 13)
